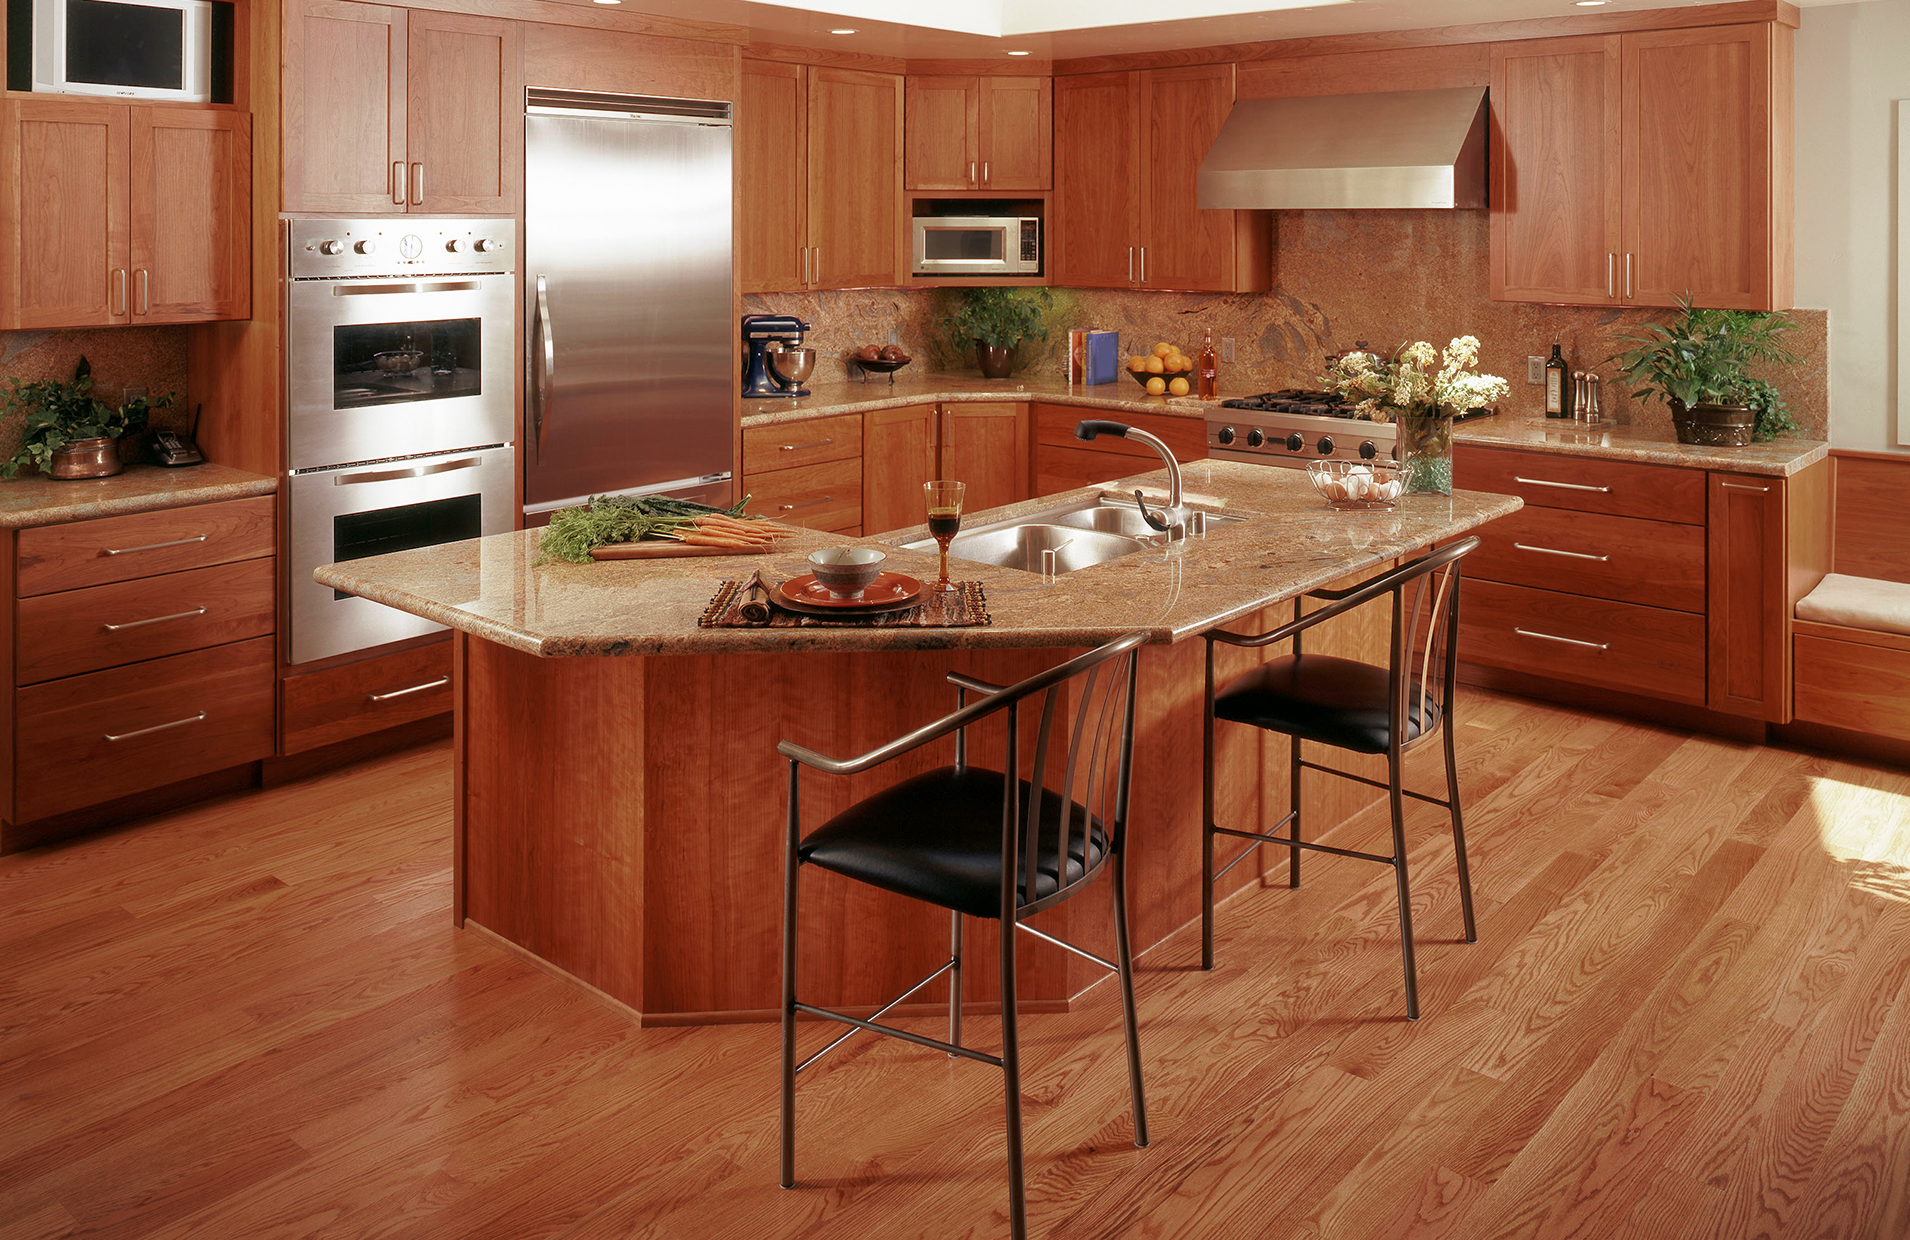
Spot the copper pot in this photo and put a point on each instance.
(86, 458)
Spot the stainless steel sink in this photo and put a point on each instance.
(1118, 518)
(1081, 534)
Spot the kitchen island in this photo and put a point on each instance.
(619, 800)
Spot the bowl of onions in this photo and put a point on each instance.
(1357, 484)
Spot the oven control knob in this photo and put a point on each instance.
(455, 245)
(411, 245)
(1225, 434)
(1368, 450)
(367, 246)
(1294, 442)
(486, 245)
(1326, 445)
(331, 247)
(1255, 438)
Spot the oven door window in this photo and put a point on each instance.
(400, 363)
(964, 245)
(380, 531)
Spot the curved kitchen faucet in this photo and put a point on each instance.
(1173, 522)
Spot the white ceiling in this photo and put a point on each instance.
(1063, 29)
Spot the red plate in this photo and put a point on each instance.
(888, 592)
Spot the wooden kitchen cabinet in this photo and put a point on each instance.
(1127, 211)
(994, 133)
(1749, 664)
(985, 444)
(1063, 462)
(464, 114)
(191, 243)
(1634, 169)
(981, 443)
(898, 456)
(772, 182)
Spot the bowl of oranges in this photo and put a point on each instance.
(1164, 372)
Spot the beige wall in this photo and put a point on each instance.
(1853, 62)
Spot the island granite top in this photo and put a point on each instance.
(39, 500)
(493, 588)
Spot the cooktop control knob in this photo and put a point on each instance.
(455, 245)
(487, 245)
(331, 247)
(1255, 438)
(1368, 450)
(1326, 445)
(367, 246)
(1294, 442)
(1226, 434)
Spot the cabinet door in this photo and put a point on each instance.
(191, 215)
(772, 230)
(1097, 169)
(344, 98)
(855, 178)
(898, 456)
(464, 114)
(1697, 210)
(1749, 664)
(1182, 246)
(943, 146)
(63, 235)
(1017, 133)
(985, 445)
(1555, 171)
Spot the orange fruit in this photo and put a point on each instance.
(1163, 350)
(1155, 366)
(1157, 385)
(1137, 363)
(1177, 388)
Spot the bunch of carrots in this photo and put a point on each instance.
(608, 519)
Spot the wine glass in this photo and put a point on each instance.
(944, 520)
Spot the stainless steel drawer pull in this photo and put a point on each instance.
(437, 286)
(1570, 641)
(157, 727)
(177, 542)
(798, 447)
(1576, 555)
(808, 503)
(1744, 486)
(416, 471)
(140, 624)
(1564, 486)
(398, 693)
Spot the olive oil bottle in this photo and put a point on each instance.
(1558, 389)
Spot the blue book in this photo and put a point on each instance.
(1104, 357)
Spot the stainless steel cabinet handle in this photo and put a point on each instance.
(1628, 291)
(1576, 555)
(379, 290)
(805, 265)
(1611, 262)
(544, 361)
(398, 693)
(1130, 264)
(397, 182)
(140, 624)
(416, 471)
(984, 172)
(417, 185)
(808, 503)
(1744, 486)
(971, 174)
(177, 542)
(1570, 641)
(1563, 486)
(818, 276)
(797, 447)
(145, 291)
(158, 727)
(1143, 264)
(119, 275)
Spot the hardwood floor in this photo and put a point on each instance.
(1688, 1016)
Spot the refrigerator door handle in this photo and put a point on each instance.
(544, 361)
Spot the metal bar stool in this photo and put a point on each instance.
(985, 843)
(1353, 706)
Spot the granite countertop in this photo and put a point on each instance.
(1290, 543)
(40, 500)
(1539, 434)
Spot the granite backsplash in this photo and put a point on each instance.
(1340, 277)
(121, 357)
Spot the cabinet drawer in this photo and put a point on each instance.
(792, 444)
(822, 497)
(91, 553)
(88, 739)
(1186, 437)
(1658, 563)
(339, 703)
(1646, 650)
(78, 631)
(1585, 484)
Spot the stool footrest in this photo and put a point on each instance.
(1374, 783)
(883, 1010)
(1306, 844)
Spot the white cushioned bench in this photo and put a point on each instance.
(1851, 655)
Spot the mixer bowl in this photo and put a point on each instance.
(792, 366)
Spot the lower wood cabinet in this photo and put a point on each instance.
(1648, 650)
(338, 703)
(981, 443)
(1063, 462)
(97, 627)
(1750, 614)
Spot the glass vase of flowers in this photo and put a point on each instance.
(1418, 388)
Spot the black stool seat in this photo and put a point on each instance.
(1316, 697)
(937, 837)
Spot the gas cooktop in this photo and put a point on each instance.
(1294, 400)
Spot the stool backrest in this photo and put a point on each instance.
(1425, 671)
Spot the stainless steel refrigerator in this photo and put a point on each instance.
(629, 383)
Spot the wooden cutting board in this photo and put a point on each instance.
(667, 551)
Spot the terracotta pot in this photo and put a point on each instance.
(85, 458)
(996, 361)
(1716, 426)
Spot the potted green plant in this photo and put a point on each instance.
(996, 320)
(1697, 365)
(70, 433)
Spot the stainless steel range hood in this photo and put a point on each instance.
(1409, 148)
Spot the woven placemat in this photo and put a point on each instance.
(964, 608)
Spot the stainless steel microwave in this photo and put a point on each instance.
(977, 245)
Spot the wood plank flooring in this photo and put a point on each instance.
(1687, 1018)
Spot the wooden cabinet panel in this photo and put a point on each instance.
(1697, 185)
(353, 699)
(943, 132)
(985, 444)
(822, 497)
(84, 630)
(1853, 685)
(898, 456)
(1097, 180)
(87, 739)
(855, 178)
(772, 197)
(1622, 646)
(1182, 246)
(64, 236)
(1016, 121)
(464, 114)
(1555, 170)
(1185, 437)
(1658, 563)
(811, 442)
(191, 205)
(1749, 665)
(1585, 484)
(89, 553)
(344, 100)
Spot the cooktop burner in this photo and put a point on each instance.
(1294, 400)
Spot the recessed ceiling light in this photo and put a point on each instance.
(852, 32)
(1590, 4)
(1018, 53)
(609, 1)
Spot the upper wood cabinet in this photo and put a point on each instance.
(123, 213)
(1126, 211)
(979, 133)
(389, 110)
(819, 178)
(1634, 169)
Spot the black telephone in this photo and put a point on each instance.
(172, 448)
